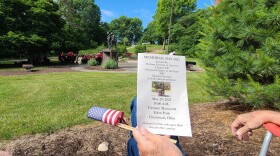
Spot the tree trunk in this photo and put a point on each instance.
(163, 44)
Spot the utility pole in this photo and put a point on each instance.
(170, 23)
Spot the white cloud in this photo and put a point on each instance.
(107, 13)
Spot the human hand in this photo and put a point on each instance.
(243, 125)
(154, 145)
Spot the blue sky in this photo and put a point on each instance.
(142, 9)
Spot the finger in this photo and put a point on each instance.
(241, 131)
(139, 137)
(146, 132)
(235, 126)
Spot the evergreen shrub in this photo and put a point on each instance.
(92, 62)
(140, 49)
(241, 44)
(110, 64)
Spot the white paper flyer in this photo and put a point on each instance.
(162, 101)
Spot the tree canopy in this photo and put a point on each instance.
(150, 34)
(82, 19)
(163, 13)
(130, 28)
(28, 26)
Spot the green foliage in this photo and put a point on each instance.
(140, 49)
(92, 62)
(29, 27)
(127, 28)
(172, 48)
(34, 28)
(125, 41)
(83, 27)
(241, 43)
(121, 49)
(150, 34)
(163, 13)
(109, 64)
(186, 33)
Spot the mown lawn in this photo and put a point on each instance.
(39, 103)
(92, 51)
(150, 48)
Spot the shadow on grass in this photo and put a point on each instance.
(50, 65)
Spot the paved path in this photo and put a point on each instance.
(129, 66)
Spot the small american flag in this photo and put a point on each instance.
(105, 115)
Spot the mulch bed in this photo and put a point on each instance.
(102, 69)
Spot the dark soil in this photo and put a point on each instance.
(102, 69)
(210, 128)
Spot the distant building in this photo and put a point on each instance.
(218, 2)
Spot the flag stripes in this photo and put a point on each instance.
(109, 116)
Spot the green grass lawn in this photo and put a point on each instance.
(92, 51)
(40, 103)
(153, 47)
(150, 48)
(48, 102)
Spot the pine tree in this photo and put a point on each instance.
(242, 45)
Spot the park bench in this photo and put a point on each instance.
(27, 67)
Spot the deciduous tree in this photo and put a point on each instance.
(29, 26)
(150, 34)
(83, 18)
(131, 28)
(163, 13)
